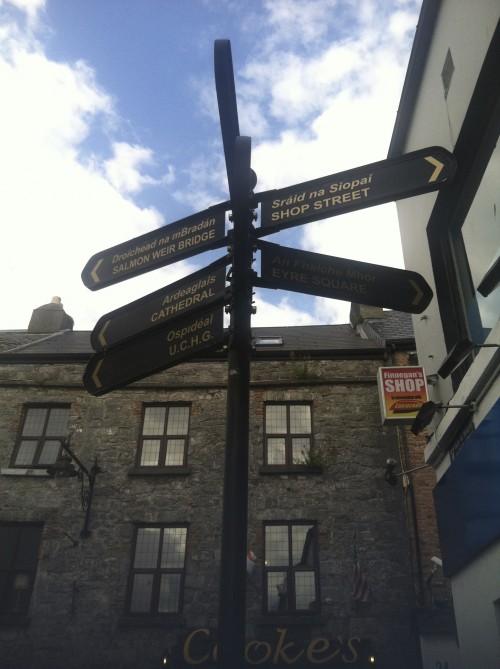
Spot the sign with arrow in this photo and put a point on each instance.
(185, 238)
(201, 289)
(414, 173)
(342, 279)
(153, 352)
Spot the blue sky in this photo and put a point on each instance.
(109, 128)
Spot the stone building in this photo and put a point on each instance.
(134, 581)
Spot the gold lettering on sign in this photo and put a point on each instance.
(330, 196)
(187, 648)
(353, 650)
(319, 652)
(319, 646)
(253, 658)
(280, 651)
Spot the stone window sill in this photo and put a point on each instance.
(152, 621)
(291, 469)
(159, 471)
(21, 471)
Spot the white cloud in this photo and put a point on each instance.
(318, 95)
(293, 23)
(282, 313)
(57, 207)
(123, 170)
(30, 7)
(369, 235)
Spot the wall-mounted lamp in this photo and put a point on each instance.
(391, 477)
(457, 355)
(429, 409)
(64, 468)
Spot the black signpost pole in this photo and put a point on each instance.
(232, 587)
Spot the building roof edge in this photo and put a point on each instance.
(416, 64)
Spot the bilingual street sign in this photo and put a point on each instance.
(412, 174)
(199, 290)
(153, 352)
(342, 279)
(200, 232)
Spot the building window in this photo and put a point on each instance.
(158, 568)
(164, 436)
(480, 241)
(291, 570)
(39, 441)
(19, 547)
(288, 437)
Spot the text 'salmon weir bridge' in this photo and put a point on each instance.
(182, 319)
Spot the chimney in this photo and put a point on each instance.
(50, 318)
(362, 312)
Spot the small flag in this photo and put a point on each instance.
(361, 590)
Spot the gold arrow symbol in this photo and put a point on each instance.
(438, 165)
(100, 336)
(418, 291)
(94, 274)
(95, 378)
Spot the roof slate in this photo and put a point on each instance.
(20, 346)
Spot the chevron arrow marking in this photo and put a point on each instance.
(418, 292)
(94, 274)
(437, 164)
(95, 377)
(102, 339)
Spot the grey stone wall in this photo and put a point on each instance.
(77, 610)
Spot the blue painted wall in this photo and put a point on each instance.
(467, 498)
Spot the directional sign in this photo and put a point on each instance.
(342, 279)
(179, 240)
(162, 348)
(393, 179)
(201, 289)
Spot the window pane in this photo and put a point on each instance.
(276, 453)
(49, 453)
(154, 420)
(300, 449)
(276, 545)
(169, 593)
(300, 548)
(481, 235)
(305, 590)
(300, 419)
(174, 547)
(146, 550)
(26, 453)
(150, 452)
(34, 422)
(20, 593)
(175, 452)
(141, 593)
(277, 591)
(275, 419)
(57, 424)
(178, 420)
